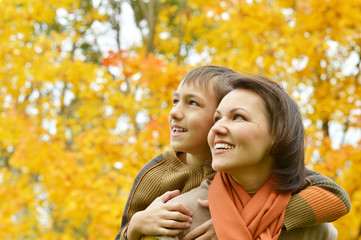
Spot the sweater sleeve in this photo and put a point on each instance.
(125, 219)
(321, 201)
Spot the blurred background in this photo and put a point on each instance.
(86, 87)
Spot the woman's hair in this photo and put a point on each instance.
(286, 129)
(210, 77)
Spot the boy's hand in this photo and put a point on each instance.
(160, 218)
(205, 231)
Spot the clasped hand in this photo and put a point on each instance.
(163, 218)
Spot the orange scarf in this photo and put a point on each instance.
(236, 215)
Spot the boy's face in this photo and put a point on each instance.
(191, 118)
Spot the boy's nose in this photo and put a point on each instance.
(175, 113)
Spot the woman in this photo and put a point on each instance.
(257, 145)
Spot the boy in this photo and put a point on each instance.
(191, 118)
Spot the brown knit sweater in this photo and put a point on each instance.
(322, 201)
(324, 231)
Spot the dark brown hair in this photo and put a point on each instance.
(210, 77)
(286, 128)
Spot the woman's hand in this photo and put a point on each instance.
(160, 218)
(205, 231)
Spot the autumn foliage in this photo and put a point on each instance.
(77, 122)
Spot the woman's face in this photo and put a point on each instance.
(240, 139)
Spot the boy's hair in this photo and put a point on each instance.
(286, 129)
(210, 76)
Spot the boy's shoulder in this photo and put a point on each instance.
(166, 157)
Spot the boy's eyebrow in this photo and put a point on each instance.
(188, 95)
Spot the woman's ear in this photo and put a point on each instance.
(273, 140)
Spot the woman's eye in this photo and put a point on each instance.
(175, 101)
(216, 119)
(238, 117)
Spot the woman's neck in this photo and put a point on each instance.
(251, 183)
(254, 177)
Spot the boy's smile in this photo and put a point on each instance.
(191, 118)
(177, 130)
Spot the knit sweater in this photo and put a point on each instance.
(322, 201)
(324, 231)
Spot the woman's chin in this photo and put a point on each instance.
(217, 167)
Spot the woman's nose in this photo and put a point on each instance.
(219, 128)
(176, 112)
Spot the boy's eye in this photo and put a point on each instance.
(175, 101)
(194, 103)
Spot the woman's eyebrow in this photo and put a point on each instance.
(234, 109)
(239, 108)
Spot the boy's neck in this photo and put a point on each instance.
(195, 160)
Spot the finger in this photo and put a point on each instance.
(168, 232)
(169, 195)
(172, 224)
(194, 233)
(178, 216)
(204, 229)
(203, 202)
(178, 207)
(206, 236)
